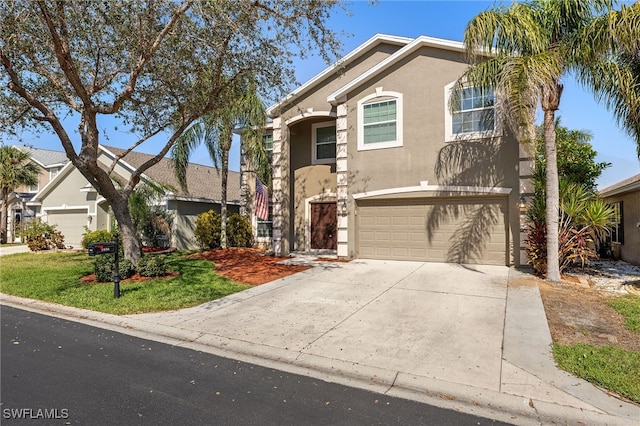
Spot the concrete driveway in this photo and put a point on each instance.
(443, 321)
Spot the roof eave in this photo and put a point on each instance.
(354, 54)
(339, 96)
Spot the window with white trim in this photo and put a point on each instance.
(34, 188)
(380, 120)
(474, 112)
(617, 234)
(267, 141)
(324, 142)
(264, 228)
(53, 172)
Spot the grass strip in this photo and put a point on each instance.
(609, 367)
(55, 277)
(629, 307)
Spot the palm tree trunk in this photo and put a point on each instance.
(550, 103)
(5, 219)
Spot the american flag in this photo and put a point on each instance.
(262, 200)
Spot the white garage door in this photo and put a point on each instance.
(459, 230)
(71, 223)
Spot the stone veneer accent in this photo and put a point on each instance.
(525, 168)
(342, 181)
(278, 159)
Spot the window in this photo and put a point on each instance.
(34, 188)
(474, 112)
(617, 230)
(267, 140)
(324, 142)
(54, 172)
(265, 227)
(380, 118)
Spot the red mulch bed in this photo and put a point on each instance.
(244, 265)
(247, 265)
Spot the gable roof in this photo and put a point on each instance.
(45, 157)
(409, 45)
(627, 185)
(203, 182)
(420, 42)
(345, 60)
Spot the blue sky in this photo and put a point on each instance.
(442, 19)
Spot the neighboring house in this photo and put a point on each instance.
(624, 196)
(368, 162)
(20, 208)
(71, 203)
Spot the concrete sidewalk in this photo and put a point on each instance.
(470, 338)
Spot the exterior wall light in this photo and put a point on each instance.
(343, 207)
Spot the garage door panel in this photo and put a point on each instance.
(70, 223)
(435, 229)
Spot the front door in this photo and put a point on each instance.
(324, 226)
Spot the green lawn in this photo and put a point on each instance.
(55, 277)
(629, 307)
(610, 367)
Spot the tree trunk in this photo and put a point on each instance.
(223, 195)
(5, 219)
(550, 103)
(128, 235)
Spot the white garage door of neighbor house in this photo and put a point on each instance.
(71, 223)
(459, 230)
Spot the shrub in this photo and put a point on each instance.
(99, 236)
(239, 232)
(207, 230)
(42, 236)
(104, 267)
(152, 266)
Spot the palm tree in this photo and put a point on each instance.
(616, 80)
(16, 170)
(523, 51)
(215, 131)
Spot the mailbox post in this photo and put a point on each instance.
(97, 249)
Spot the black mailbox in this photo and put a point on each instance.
(102, 248)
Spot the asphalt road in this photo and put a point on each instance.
(60, 372)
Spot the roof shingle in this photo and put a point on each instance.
(202, 181)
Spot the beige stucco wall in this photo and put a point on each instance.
(317, 98)
(185, 214)
(66, 194)
(630, 250)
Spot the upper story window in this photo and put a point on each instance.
(474, 113)
(380, 120)
(34, 188)
(617, 234)
(324, 142)
(53, 172)
(267, 140)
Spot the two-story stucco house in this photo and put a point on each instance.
(369, 162)
(20, 207)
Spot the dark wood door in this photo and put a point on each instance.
(324, 226)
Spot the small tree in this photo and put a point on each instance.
(16, 169)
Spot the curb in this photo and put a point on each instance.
(464, 398)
